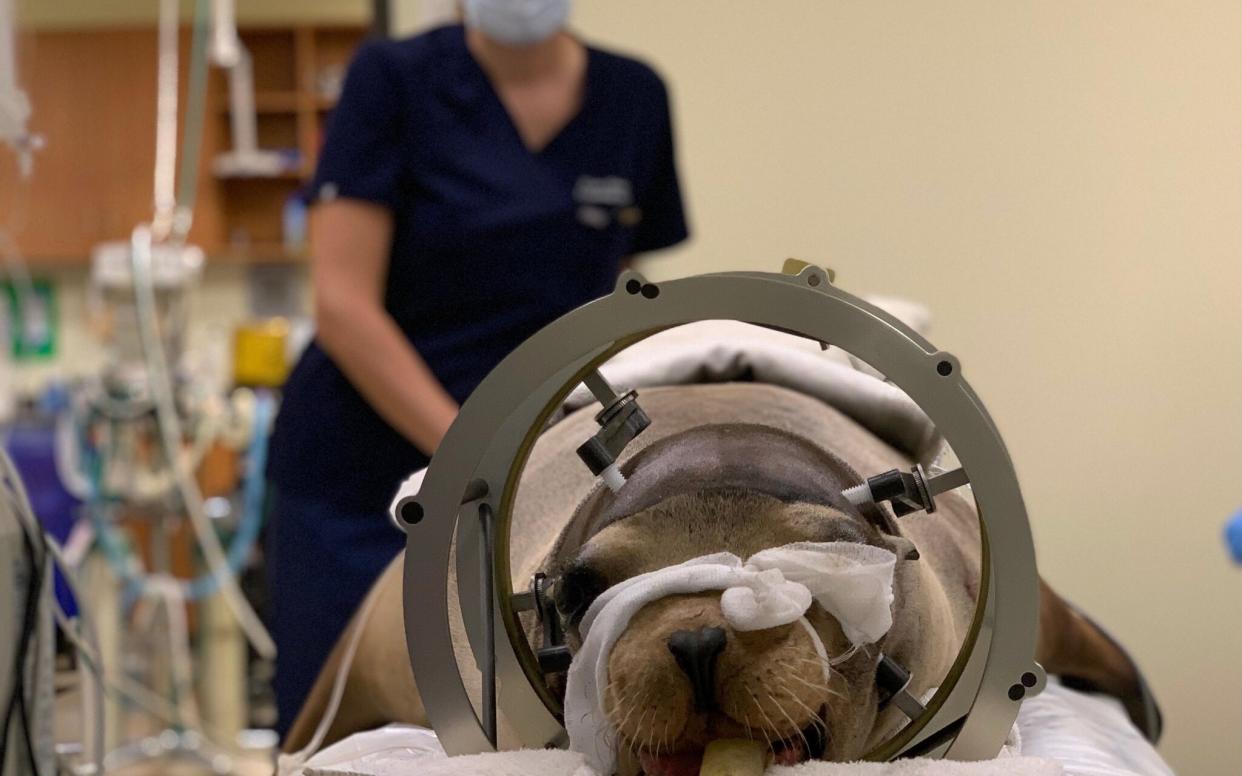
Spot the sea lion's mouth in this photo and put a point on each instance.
(810, 743)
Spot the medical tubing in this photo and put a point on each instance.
(121, 687)
(8, 49)
(165, 177)
(19, 275)
(167, 592)
(288, 764)
(253, 492)
(126, 689)
(120, 558)
(31, 531)
(170, 434)
(15, 264)
(143, 697)
(92, 638)
(224, 42)
(122, 562)
(29, 636)
(192, 130)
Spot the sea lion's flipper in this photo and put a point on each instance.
(1085, 657)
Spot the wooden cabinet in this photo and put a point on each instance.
(93, 97)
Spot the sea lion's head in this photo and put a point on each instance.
(680, 676)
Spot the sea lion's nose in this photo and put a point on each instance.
(696, 652)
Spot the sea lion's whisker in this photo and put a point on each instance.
(634, 745)
(651, 733)
(767, 719)
(755, 701)
(633, 707)
(816, 661)
(813, 685)
(828, 670)
(815, 719)
(746, 722)
(844, 656)
(825, 667)
(781, 708)
(653, 741)
(619, 699)
(817, 687)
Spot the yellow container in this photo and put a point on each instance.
(259, 358)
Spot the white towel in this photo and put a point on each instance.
(1009, 766)
(1062, 731)
(723, 351)
(556, 762)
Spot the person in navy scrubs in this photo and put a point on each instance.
(476, 182)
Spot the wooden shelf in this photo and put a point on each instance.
(294, 67)
(260, 253)
(92, 183)
(283, 175)
(267, 102)
(280, 102)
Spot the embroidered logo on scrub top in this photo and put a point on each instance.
(600, 200)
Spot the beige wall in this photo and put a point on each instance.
(1062, 183)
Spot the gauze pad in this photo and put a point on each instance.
(852, 582)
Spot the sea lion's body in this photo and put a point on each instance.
(934, 596)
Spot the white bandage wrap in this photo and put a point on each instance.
(852, 582)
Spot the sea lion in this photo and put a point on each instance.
(739, 468)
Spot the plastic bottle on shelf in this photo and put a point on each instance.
(293, 224)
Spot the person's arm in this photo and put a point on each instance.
(349, 250)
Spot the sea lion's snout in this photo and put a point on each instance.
(680, 677)
(695, 652)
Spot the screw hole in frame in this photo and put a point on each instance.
(412, 513)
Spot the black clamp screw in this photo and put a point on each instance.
(553, 655)
(621, 420)
(893, 680)
(906, 492)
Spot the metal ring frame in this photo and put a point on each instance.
(468, 494)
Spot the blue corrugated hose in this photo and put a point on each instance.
(117, 551)
(253, 491)
(1233, 537)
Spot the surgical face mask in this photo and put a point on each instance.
(517, 22)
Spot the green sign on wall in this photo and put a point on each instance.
(28, 319)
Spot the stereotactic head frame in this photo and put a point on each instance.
(469, 489)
